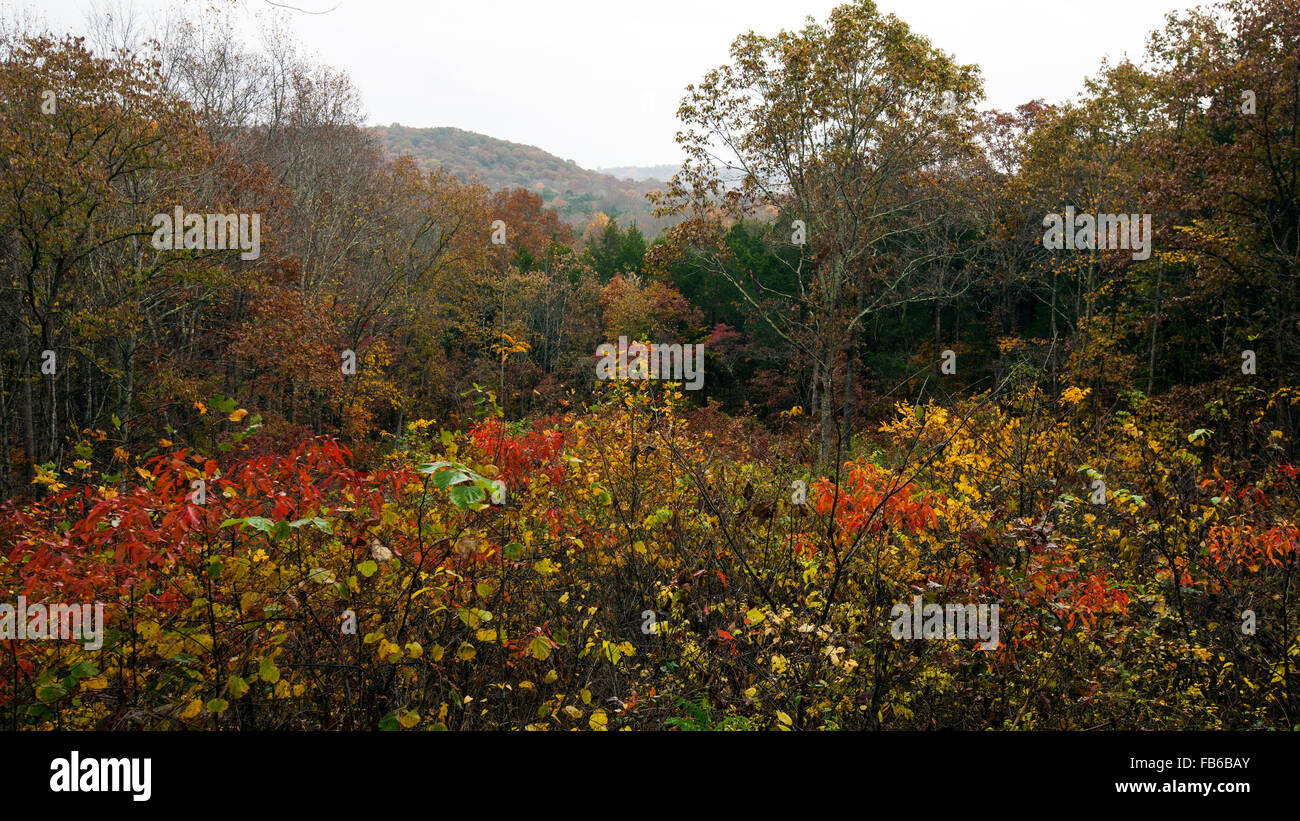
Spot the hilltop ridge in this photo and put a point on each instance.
(576, 193)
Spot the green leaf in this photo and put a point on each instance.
(318, 523)
(463, 496)
(444, 479)
(51, 693)
(259, 523)
(84, 669)
(268, 672)
(368, 568)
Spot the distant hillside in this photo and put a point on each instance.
(659, 173)
(575, 192)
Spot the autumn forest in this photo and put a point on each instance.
(892, 411)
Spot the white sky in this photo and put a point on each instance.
(599, 81)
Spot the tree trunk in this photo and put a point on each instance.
(6, 477)
(29, 412)
(1155, 332)
(850, 371)
(827, 407)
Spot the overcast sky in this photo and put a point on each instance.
(599, 81)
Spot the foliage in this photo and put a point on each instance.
(425, 511)
(524, 604)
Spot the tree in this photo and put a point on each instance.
(611, 250)
(92, 148)
(836, 126)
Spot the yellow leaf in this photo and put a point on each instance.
(598, 720)
(237, 415)
(192, 709)
(540, 648)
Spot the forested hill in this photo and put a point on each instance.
(574, 192)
